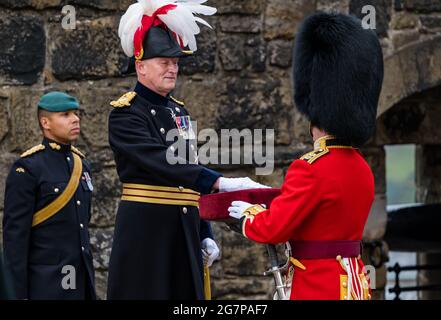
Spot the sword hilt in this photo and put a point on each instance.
(275, 271)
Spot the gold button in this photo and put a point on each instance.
(56, 189)
(338, 258)
(344, 284)
(181, 188)
(184, 210)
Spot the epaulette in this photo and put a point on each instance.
(32, 150)
(312, 156)
(177, 101)
(124, 100)
(78, 152)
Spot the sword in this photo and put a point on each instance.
(276, 271)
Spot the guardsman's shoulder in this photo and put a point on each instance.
(181, 103)
(124, 101)
(32, 151)
(77, 151)
(314, 155)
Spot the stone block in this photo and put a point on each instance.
(22, 53)
(280, 53)
(383, 10)
(403, 20)
(423, 6)
(90, 51)
(282, 18)
(257, 104)
(101, 242)
(240, 24)
(431, 22)
(204, 59)
(240, 7)
(234, 288)
(24, 129)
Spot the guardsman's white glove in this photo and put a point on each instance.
(237, 208)
(210, 251)
(234, 184)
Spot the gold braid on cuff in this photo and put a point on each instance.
(253, 211)
(249, 214)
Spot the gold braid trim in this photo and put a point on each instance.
(124, 101)
(33, 150)
(78, 152)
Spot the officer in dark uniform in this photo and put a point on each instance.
(159, 241)
(47, 210)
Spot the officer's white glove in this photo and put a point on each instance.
(210, 251)
(234, 184)
(237, 208)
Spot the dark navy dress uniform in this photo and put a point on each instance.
(35, 255)
(156, 251)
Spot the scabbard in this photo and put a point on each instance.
(207, 285)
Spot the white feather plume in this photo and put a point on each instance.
(182, 20)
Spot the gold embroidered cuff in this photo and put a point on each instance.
(253, 210)
(249, 214)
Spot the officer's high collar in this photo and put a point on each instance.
(53, 145)
(331, 142)
(150, 95)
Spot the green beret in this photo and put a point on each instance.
(56, 101)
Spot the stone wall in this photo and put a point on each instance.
(240, 78)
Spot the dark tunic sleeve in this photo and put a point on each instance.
(17, 224)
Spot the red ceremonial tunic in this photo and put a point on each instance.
(326, 196)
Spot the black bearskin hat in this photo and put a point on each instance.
(338, 73)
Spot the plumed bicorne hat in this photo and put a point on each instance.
(161, 28)
(338, 74)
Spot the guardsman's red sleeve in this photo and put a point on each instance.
(300, 195)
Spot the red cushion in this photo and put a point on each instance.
(215, 206)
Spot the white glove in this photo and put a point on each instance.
(234, 184)
(237, 208)
(210, 251)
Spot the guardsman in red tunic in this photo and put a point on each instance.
(327, 193)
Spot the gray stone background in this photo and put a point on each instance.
(240, 78)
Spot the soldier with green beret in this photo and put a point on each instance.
(47, 210)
